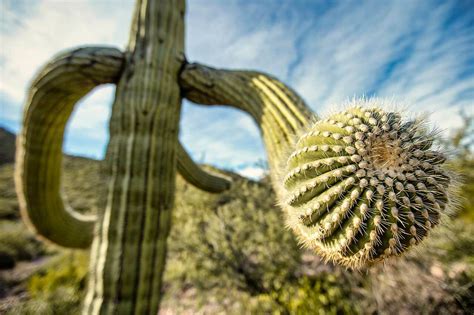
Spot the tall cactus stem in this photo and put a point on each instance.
(129, 250)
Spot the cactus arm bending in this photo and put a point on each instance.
(358, 187)
(198, 177)
(51, 99)
(279, 112)
(50, 102)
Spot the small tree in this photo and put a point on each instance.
(358, 187)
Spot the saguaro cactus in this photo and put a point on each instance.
(359, 187)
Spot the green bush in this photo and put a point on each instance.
(17, 242)
(57, 289)
(326, 293)
(236, 240)
(69, 271)
(7, 186)
(9, 209)
(59, 302)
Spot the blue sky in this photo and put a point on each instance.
(416, 53)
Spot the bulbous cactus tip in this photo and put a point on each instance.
(365, 185)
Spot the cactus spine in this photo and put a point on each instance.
(358, 187)
(364, 185)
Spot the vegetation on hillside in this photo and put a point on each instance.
(7, 152)
(230, 253)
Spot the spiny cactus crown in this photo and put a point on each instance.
(364, 185)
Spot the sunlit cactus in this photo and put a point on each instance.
(364, 185)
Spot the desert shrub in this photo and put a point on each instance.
(63, 301)
(436, 279)
(58, 288)
(464, 164)
(7, 257)
(84, 184)
(7, 187)
(326, 293)
(9, 209)
(17, 242)
(234, 240)
(461, 144)
(68, 271)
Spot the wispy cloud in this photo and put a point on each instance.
(417, 52)
(88, 131)
(33, 32)
(220, 136)
(51, 26)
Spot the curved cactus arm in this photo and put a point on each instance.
(198, 177)
(51, 99)
(358, 187)
(278, 110)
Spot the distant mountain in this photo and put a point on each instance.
(7, 146)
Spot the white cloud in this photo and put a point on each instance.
(348, 52)
(51, 27)
(253, 172)
(220, 135)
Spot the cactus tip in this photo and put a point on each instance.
(365, 185)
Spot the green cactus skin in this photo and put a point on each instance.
(193, 174)
(279, 112)
(129, 249)
(52, 95)
(363, 185)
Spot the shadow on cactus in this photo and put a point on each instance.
(361, 186)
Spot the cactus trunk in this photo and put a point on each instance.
(129, 249)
